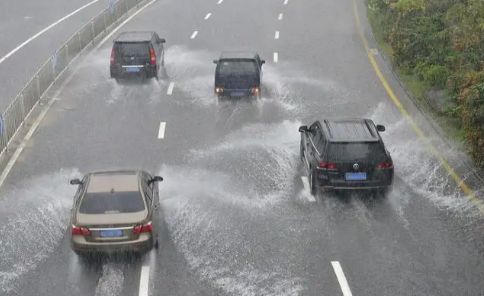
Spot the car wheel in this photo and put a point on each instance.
(312, 183)
(156, 245)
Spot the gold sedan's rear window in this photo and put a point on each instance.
(112, 202)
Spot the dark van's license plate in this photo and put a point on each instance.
(355, 176)
(111, 233)
(132, 69)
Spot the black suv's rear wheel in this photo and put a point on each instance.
(313, 186)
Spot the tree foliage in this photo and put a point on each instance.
(442, 43)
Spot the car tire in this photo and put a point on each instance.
(313, 188)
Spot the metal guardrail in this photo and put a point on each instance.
(12, 119)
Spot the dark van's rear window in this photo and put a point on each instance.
(132, 49)
(356, 151)
(237, 67)
(116, 202)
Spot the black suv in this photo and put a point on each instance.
(140, 53)
(238, 74)
(346, 154)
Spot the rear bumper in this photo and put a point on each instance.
(144, 243)
(383, 180)
(235, 93)
(119, 71)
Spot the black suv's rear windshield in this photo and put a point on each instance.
(116, 202)
(239, 67)
(140, 49)
(340, 152)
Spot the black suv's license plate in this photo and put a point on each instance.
(361, 176)
(111, 233)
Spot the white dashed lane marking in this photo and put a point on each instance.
(276, 35)
(161, 131)
(345, 288)
(208, 16)
(280, 16)
(285, 2)
(194, 34)
(144, 280)
(170, 88)
(276, 57)
(220, 2)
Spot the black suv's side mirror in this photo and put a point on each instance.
(262, 62)
(215, 61)
(303, 128)
(380, 128)
(162, 40)
(75, 182)
(156, 179)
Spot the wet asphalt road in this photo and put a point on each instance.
(238, 218)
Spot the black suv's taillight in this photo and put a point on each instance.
(113, 55)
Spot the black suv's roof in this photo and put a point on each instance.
(350, 130)
(238, 55)
(138, 36)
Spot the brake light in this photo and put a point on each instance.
(255, 90)
(327, 165)
(152, 56)
(76, 230)
(112, 55)
(148, 227)
(385, 165)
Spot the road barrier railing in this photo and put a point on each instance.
(12, 119)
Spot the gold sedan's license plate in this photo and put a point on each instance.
(111, 233)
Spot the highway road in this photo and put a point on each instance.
(239, 219)
(31, 31)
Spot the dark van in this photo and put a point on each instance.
(137, 53)
(238, 74)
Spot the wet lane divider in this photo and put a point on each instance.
(208, 16)
(343, 283)
(450, 170)
(276, 57)
(276, 35)
(144, 280)
(285, 2)
(161, 130)
(45, 30)
(280, 16)
(220, 2)
(194, 34)
(170, 88)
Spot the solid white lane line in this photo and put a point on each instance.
(161, 131)
(170, 88)
(45, 30)
(305, 182)
(345, 288)
(276, 57)
(280, 16)
(144, 280)
(285, 2)
(41, 116)
(194, 34)
(220, 2)
(276, 35)
(208, 15)
(123, 23)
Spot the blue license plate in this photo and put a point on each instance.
(237, 94)
(133, 69)
(111, 233)
(355, 176)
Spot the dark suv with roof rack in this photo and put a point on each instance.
(346, 154)
(137, 53)
(238, 74)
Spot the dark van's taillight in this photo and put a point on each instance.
(327, 165)
(152, 56)
(148, 227)
(112, 56)
(76, 230)
(385, 165)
